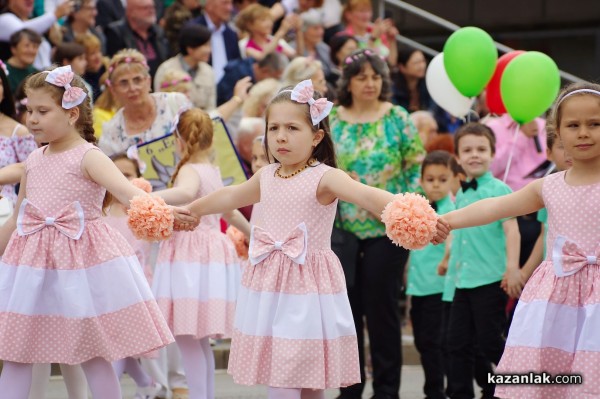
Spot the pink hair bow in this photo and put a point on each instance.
(133, 154)
(293, 246)
(568, 257)
(319, 109)
(62, 77)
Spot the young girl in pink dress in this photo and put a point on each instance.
(555, 328)
(198, 273)
(294, 329)
(70, 287)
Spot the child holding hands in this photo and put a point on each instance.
(555, 325)
(69, 286)
(294, 329)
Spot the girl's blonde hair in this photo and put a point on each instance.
(299, 69)
(554, 116)
(127, 60)
(176, 80)
(252, 13)
(89, 41)
(106, 100)
(85, 122)
(195, 128)
(260, 94)
(352, 5)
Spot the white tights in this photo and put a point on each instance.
(295, 393)
(133, 368)
(72, 374)
(199, 365)
(15, 380)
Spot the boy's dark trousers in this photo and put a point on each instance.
(426, 314)
(477, 314)
(375, 296)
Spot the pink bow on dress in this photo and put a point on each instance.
(62, 77)
(69, 220)
(568, 257)
(319, 109)
(293, 245)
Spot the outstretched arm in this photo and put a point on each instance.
(11, 174)
(185, 188)
(337, 184)
(237, 220)
(228, 198)
(526, 200)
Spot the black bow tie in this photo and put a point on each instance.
(433, 205)
(469, 184)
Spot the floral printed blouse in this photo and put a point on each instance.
(14, 149)
(386, 154)
(115, 139)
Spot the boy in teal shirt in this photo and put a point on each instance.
(483, 256)
(424, 283)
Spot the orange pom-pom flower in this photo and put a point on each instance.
(142, 183)
(409, 220)
(150, 218)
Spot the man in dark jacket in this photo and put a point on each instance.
(138, 30)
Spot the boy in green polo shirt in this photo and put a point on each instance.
(483, 256)
(424, 283)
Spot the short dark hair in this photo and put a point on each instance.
(336, 43)
(67, 51)
(16, 37)
(7, 105)
(192, 36)
(358, 60)
(475, 129)
(437, 157)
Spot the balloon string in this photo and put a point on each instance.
(512, 151)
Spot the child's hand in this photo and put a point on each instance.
(184, 220)
(442, 268)
(442, 230)
(514, 282)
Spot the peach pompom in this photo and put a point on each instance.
(150, 218)
(409, 220)
(142, 183)
(239, 241)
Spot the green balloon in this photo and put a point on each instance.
(529, 85)
(470, 60)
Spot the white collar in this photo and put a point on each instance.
(213, 28)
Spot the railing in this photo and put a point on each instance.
(448, 25)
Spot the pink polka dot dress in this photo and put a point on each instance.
(71, 289)
(556, 326)
(293, 325)
(198, 273)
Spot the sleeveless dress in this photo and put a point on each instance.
(293, 325)
(71, 288)
(556, 326)
(198, 273)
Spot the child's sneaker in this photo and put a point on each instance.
(148, 392)
(180, 393)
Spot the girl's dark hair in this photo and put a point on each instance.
(67, 51)
(554, 116)
(437, 157)
(193, 36)
(121, 155)
(357, 61)
(85, 122)
(398, 77)
(336, 43)
(324, 152)
(475, 129)
(7, 106)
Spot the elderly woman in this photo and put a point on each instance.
(302, 68)
(313, 46)
(377, 144)
(144, 116)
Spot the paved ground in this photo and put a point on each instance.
(412, 383)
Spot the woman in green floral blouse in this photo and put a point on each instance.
(377, 144)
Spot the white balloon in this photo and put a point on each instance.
(442, 90)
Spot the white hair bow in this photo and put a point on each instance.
(319, 109)
(62, 77)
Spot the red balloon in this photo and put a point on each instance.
(493, 98)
